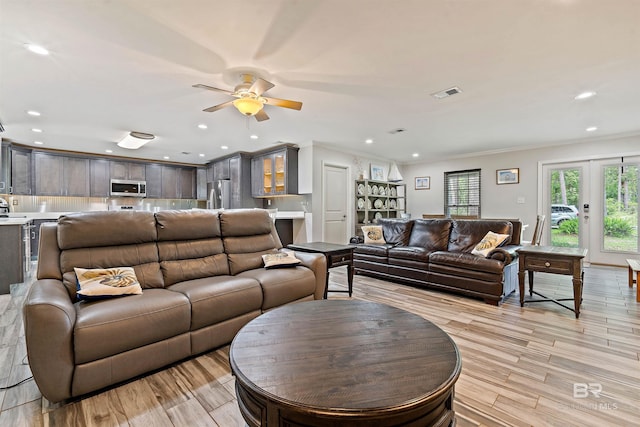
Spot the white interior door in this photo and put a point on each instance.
(334, 201)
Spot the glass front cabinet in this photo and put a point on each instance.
(275, 173)
(378, 199)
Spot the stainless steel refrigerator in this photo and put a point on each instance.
(219, 194)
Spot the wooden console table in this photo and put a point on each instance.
(551, 259)
(331, 363)
(336, 255)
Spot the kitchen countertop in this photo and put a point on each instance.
(55, 215)
(290, 215)
(14, 221)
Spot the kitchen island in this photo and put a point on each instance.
(15, 251)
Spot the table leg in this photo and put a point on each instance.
(530, 273)
(638, 286)
(630, 277)
(350, 278)
(577, 293)
(521, 286)
(326, 283)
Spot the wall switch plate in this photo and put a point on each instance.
(15, 202)
(520, 200)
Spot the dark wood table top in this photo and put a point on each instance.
(345, 356)
(322, 247)
(554, 250)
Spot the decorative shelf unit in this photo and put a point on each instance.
(378, 199)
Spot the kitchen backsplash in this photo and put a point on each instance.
(79, 204)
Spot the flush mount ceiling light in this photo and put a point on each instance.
(37, 49)
(585, 95)
(135, 140)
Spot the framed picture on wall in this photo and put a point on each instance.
(508, 176)
(423, 182)
(377, 173)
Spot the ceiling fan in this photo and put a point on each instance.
(250, 101)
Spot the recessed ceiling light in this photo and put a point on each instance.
(201, 154)
(591, 128)
(224, 147)
(415, 155)
(37, 49)
(33, 113)
(202, 126)
(166, 157)
(585, 95)
(38, 142)
(368, 141)
(254, 137)
(37, 130)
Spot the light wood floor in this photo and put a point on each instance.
(519, 364)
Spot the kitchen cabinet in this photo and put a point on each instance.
(15, 251)
(240, 182)
(5, 168)
(61, 175)
(275, 173)
(201, 183)
(378, 199)
(153, 174)
(187, 183)
(99, 178)
(221, 169)
(169, 183)
(127, 170)
(20, 171)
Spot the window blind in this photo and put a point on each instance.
(462, 193)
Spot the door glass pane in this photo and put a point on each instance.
(565, 199)
(620, 225)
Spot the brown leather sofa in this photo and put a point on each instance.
(202, 277)
(436, 253)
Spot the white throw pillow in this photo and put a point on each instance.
(373, 235)
(489, 242)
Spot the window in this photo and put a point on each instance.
(620, 220)
(462, 193)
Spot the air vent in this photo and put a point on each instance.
(398, 130)
(447, 92)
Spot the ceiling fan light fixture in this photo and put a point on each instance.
(135, 140)
(248, 106)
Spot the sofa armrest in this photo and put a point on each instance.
(317, 263)
(49, 319)
(506, 254)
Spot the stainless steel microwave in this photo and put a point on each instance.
(128, 188)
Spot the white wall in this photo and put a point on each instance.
(500, 201)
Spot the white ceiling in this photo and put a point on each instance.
(361, 67)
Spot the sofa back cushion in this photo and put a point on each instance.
(247, 234)
(190, 245)
(466, 234)
(430, 234)
(395, 231)
(107, 239)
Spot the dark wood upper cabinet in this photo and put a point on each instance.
(99, 177)
(20, 171)
(153, 174)
(57, 175)
(127, 170)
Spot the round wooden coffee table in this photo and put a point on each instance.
(344, 362)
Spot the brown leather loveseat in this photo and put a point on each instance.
(436, 253)
(202, 277)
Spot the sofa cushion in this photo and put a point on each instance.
(377, 250)
(108, 327)
(396, 231)
(464, 262)
(220, 298)
(410, 253)
(465, 235)
(281, 286)
(187, 224)
(431, 234)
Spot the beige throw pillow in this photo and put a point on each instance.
(101, 283)
(373, 235)
(489, 242)
(283, 258)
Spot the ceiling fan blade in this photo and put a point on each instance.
(218, 107)
(260, 86)
(201, 86)
(294, 105)
(261, 116)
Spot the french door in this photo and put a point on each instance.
(594, 205)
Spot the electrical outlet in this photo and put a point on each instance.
(15, 203)
(520, 200)
(268, 202)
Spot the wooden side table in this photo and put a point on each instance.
(550, 259)
(336, 255)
